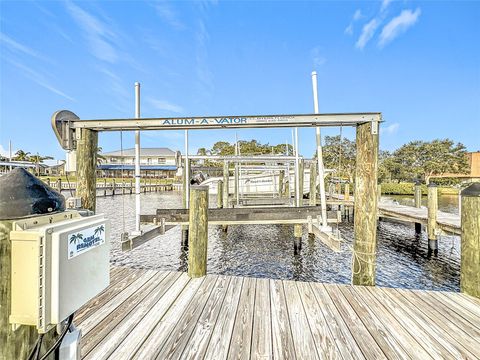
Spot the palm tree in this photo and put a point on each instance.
(100, 158)
(38, 158)
(21, 155)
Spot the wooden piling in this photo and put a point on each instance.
(219, 194)
(225, 184)
(86, 166)
(301, 174)
(418, 204)
(113, 186)
(198, 231)
(366, 205)
(432, 206)
(347, 192)
(297, 242)
(470, 247)
(281, 177)
(313, 184)
(131, 186)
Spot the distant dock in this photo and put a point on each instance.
(147, 314)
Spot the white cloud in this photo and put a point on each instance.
(368, 31)
(317, 57)
(167, 14)
(99, 36)
(390, 129)
(357, 15)
(164, 105)
(349, 29)
(398, 25)
(39, 78)
(385, 4)
(15, 46)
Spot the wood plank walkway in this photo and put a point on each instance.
(148, 314)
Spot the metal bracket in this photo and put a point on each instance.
(62, 124)
(374, 127)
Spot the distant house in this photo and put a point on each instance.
(154, 162)
(53, 167)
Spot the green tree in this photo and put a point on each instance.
(21, 155)
(38, 159)
(424, 160)
(222, 148)
(339, 155)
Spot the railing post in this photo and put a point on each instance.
(198, 231)
(366, 205)
(59, 185)
(432, 219)
(470, 255)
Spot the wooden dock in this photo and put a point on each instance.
(448, 223)
(148, 314)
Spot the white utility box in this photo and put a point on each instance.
(59, 262)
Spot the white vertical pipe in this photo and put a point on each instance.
(288, 171)
(321, 171)
(137, 160)
(236, 177)
(297, 174)
(187, 172)
(10, 153)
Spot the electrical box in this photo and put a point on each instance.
(59, 262)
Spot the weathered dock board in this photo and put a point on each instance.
(449, 223)
(167, 315)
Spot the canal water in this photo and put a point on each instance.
(267, 250)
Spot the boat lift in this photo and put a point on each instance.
(78, 134)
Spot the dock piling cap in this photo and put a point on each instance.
(23, 195)
(472, 191)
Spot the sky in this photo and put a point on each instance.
(416, 62)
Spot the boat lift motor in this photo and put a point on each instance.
(60, 261)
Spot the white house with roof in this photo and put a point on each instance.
(148, 156)
(154, 162)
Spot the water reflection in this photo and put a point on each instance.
(267, 250)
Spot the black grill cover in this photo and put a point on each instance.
(23, 195)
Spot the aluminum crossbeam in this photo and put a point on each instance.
(223, 122)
